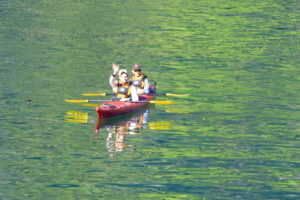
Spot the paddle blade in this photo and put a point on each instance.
(91, 104)
(96, 94)
(162, 102)
(177, 95)
(76, 101)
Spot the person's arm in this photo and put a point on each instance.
(112, 79)
(147, 85)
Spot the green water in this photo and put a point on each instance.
(235, 137)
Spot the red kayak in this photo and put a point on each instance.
(115, 108)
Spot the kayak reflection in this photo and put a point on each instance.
(115, 130)
(118, 128)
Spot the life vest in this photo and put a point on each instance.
(122, 90)
(138, 82)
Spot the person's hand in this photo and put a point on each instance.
(115, 68)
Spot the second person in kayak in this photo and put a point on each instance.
(139, 80)
(122, 87)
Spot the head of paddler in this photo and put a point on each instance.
(136, 70)
(123, 76)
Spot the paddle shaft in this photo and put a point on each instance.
(159, 94)
(86, 101)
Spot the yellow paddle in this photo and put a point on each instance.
(91, 104)
(82, 101)
(156, 102)
(177, 95)
(86, 101)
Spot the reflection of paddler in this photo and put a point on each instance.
(120, 138)
(117, 133)
(115, 139)
(138, 123)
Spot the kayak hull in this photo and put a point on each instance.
(110, 109)
(114, 108)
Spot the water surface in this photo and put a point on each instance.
(235, 137)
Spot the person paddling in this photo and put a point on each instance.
(139, 80)
(122, 87)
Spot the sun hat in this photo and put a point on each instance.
(122, 71)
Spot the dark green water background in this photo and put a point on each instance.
(236, 137)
